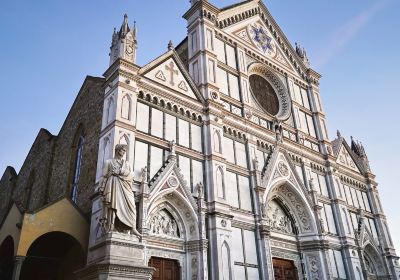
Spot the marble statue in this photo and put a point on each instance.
(119, 210)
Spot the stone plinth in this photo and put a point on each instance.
(116, 256)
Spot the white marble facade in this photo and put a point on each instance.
(247, 180)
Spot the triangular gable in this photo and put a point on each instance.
(169, 71)
(276, 177)
(253, 32)
(346, 158)
(280, 167)
(170, 179)
(366, 237)
(231, 18)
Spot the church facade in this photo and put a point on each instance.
(232, 170)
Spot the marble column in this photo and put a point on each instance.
(18, 262)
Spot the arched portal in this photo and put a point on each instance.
(172, 222)
(54, 255)
(290, 219)
(6, 258)
(372, 261)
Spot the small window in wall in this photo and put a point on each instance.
(244, 254)
(77, 169)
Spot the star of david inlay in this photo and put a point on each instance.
(260, 37)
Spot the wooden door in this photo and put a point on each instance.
(284, 269)
(165, 269)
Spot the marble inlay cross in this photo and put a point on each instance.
(172, 71)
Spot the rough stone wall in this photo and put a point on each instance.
(85, 115)
(34, 173)
(7, 183)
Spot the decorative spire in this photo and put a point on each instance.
(170, 45)
(124, 27)
(134, 30)
(124, 43)
(338, 134)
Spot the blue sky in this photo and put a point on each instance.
(48, 49)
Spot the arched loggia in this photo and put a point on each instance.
(54, 255)
(7, 258)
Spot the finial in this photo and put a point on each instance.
(338, 134)
(200, 190)
(172, 147)
(170, 45)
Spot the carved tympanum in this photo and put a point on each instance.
(277, 218)
(162, 223)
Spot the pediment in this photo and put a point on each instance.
(255, 34)
(168, 71)
(281, 168)
(345, 158)
(280, 180)
(171, 180)
(244, 20)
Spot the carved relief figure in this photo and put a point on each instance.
(162, 223)
(277, 218)
(119, 210)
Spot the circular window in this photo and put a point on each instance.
(264, 94)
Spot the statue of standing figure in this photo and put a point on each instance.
(119, 210)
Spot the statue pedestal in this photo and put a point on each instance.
(116, 256)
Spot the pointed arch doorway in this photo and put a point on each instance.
(166, 269)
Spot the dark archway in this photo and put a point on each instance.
(7, 258)
(54, 255)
